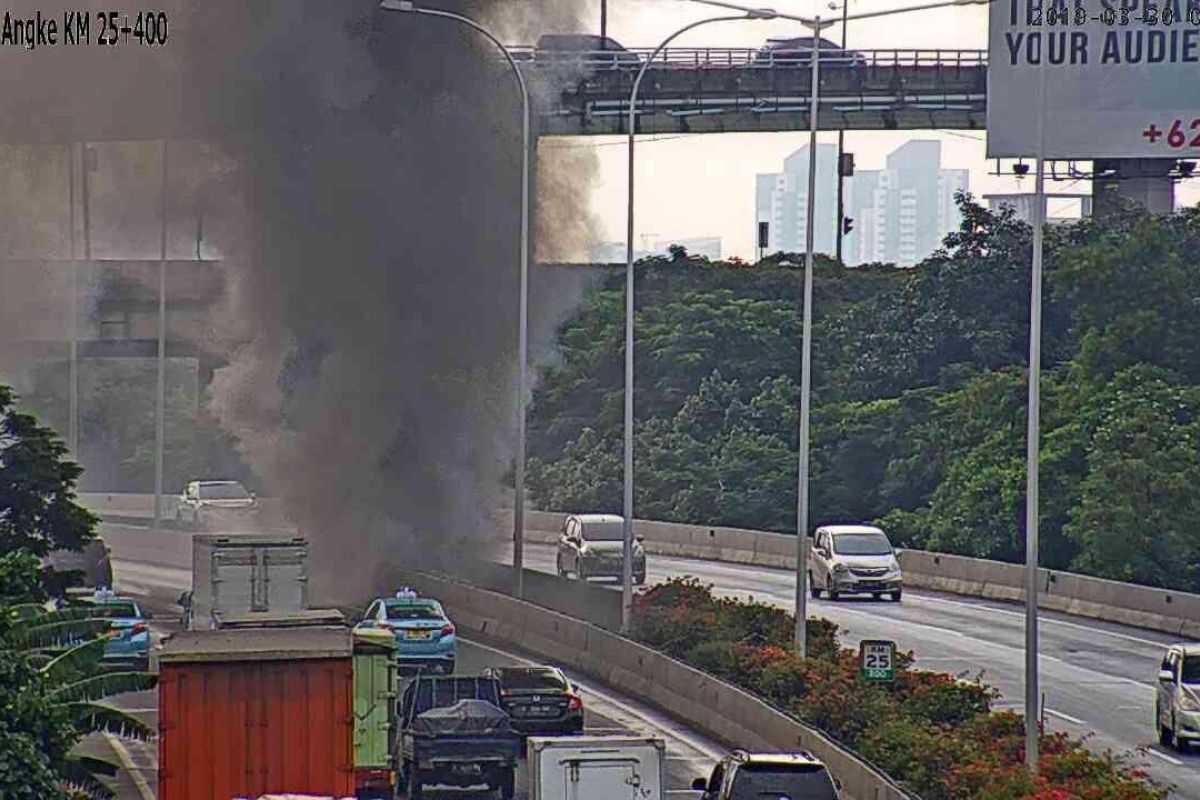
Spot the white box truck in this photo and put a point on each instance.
(240, 577)
(596, 768)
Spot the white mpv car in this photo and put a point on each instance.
(853, 559)
(1177, 709)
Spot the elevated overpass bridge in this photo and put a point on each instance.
(725, 90)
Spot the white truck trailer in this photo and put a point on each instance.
(242, 577)
(596, 768)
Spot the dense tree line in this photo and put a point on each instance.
(919, 395)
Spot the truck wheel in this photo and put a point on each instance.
(813, 589)
(508, 784)
(580, 572)
(558, 567)
(896, 595)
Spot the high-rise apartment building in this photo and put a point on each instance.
(782, 201)
(900, 213)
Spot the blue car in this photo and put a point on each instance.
(129, 636)
(425, 636)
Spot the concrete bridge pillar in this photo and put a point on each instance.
(1145, 181)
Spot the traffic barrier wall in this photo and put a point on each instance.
(723, 711)
(709, 542)
(129, 507)
(1177, 613)
(1173, 612)
(576, 599)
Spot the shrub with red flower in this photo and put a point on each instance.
(936, 734)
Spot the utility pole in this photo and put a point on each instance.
(603, 24)
(841, 191)
(73, 366)
(160, 413)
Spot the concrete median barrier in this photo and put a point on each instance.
(1165, 610)
(1168, 611)
(703, 702)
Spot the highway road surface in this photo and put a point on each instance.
(156, 567)
(1098, 679)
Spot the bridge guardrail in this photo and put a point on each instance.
(745, 57)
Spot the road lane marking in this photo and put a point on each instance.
(1164, 757)
(1067, 717)
(678, 735)
(135, 772)
(1043, 619)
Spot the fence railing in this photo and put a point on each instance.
(746, 58)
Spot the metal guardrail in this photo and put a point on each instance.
(693, 58)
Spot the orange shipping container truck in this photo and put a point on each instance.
(243, 713)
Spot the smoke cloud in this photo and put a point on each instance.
(378, 297)
(363, 194)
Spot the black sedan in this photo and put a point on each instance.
(540, 700)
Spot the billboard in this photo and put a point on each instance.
(1122, 78)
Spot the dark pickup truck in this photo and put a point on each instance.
(453, 732)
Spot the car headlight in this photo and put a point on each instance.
(1188, 702)
(841, 569)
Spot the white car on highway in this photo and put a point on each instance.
(853, 559)
(1177, 709)
(207, 503)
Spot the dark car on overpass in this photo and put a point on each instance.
(799, 52)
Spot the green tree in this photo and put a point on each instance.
(38, 512)
(1138, 518)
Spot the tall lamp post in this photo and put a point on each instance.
(627, 560)
(523, 314)
(816, 25)
(1032, 444)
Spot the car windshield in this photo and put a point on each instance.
(223, 491)
(1191, 670)
(861, 544)
(604, 531)
(778, 781)
(402, 611)
(120, 608)
(532, 680)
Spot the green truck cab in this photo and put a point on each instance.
(375, 691)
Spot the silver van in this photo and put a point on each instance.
(593, 546)
(1177, 709)
(853, 559)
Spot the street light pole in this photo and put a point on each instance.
(1032, 446)
(160, 394)
(816, 25)
(627, 532)
(801, 633)
(523, 313)
(841, 190)
(73, 356)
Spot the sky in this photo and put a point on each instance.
(703, 185)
